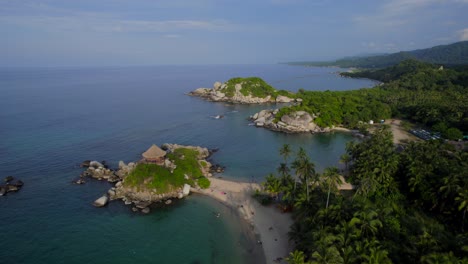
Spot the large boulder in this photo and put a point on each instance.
(217, 85)
(96, 164)
(201, 91)
(85, 164)
(283, 99)
(102, 201)
(260, 120)
(300, 120)
(9, 178)
(3, 191)
(238, 87)
(186, 190)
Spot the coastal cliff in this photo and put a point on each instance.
(251, 90)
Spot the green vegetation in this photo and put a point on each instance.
(250, 86)
(255, 87)
(203, 182)
(341, 107)
(453, 54)
(152, 176)
(408, 207)
(424, 93)
(415, 91)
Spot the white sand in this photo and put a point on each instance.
(267, 221)
(399, 133)
(275, 240)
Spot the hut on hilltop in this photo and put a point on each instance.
(154, 155)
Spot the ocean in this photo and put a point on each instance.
(51, 119)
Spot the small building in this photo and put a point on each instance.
(154, 155)
(371, 122)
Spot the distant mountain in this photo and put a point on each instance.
(452, 54)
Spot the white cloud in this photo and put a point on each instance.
(104, 23)
(463, 34)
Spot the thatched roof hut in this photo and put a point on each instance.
(154, 154)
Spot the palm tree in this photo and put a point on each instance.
(272, 185)
(326, 252)
(283, 169)
(462, 200)
(377, 256)
(368, 222)
(332, 180)
(345, 158)
(285, 152)
(305, 169)
(296, 257)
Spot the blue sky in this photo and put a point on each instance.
(150, 32)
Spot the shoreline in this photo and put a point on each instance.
(266, 222)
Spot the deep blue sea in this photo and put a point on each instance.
(51, 119)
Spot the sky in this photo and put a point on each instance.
(155, 32)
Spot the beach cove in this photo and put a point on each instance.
(72, 114)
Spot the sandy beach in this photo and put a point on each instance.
(268, 222)
(399, 133)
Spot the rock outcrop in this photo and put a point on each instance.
(10, 186)
(101, 202)
(141, 196)
(296, 122)
(220, 93)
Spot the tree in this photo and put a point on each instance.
(285, 152)
(377, 256)
(305, 169)
(272, 185)
(462, 200)
(296, 257)
(332, 180)
(453, 134)
(283, 169)
(345, 158)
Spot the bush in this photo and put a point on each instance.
(203, 182)
(453, 134)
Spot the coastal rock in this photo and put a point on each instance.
(19, 183)
(260, 120)
(12, 188)
(217, 85)
(168, 202)
(218, 94)
(8, 179)
(101, 202)
(295, 122)
(85, 164)
(201, 92)
(283, 99)
(96, 164)
(145, 210)
(3, 191)
(186, 190)
(79, 181)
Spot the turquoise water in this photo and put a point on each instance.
(53, 118)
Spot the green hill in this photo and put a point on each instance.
(452, 54)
